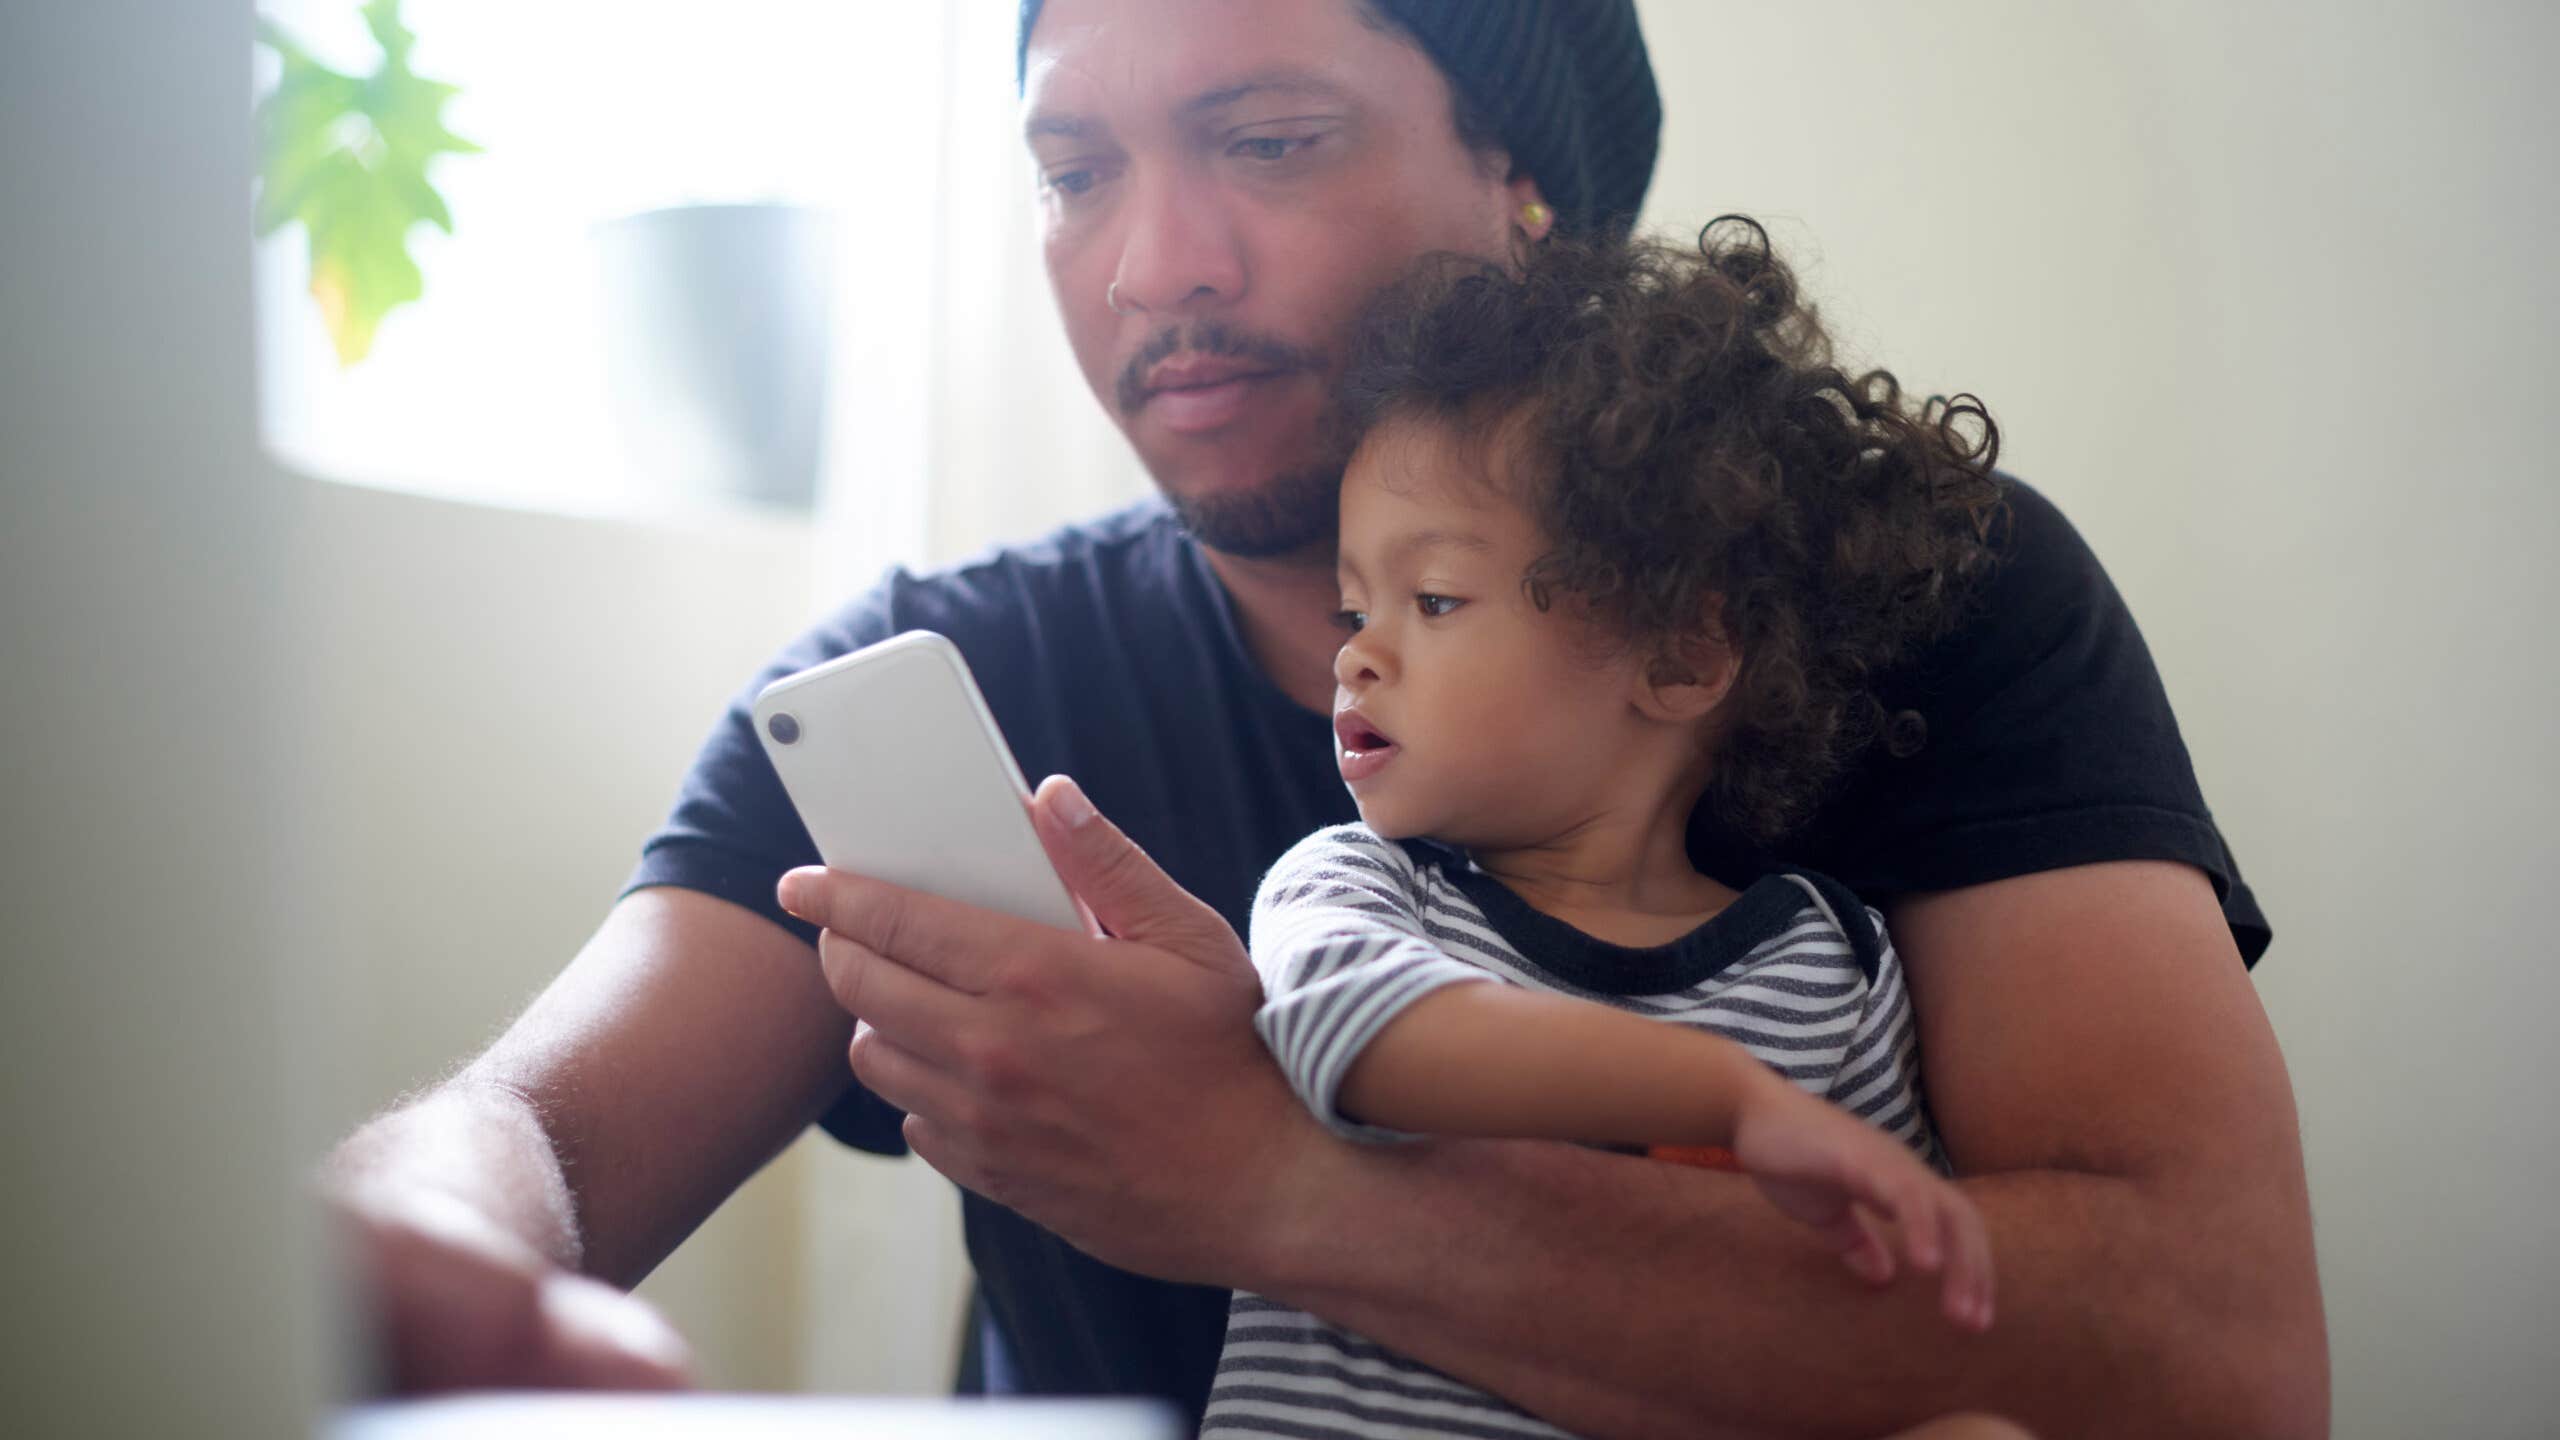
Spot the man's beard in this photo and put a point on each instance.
(1288, 514)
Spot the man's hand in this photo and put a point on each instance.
(461, 1304)
(1110, 1088)
(491, 1225)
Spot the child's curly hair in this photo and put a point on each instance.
(1705, 469)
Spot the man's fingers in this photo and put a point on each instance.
(960, 945)
(920, 1012)
(460, 1304)
(935, 1147)
(599, 1338)
(1124, 889)
(902, 1077)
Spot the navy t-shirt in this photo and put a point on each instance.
(1109, 652)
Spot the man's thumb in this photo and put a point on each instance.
(1126, 891)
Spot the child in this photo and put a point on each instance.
(1616, 537)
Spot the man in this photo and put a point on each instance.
(1223, 185)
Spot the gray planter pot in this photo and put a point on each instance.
(716, 328)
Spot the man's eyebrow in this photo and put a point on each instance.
(1309, 83)
(1285, 81)
(1067, 127)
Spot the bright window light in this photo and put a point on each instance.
(511, 380)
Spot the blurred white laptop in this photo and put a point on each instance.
(751, 1417)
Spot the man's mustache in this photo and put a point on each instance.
(1208, 338)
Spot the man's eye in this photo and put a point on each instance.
(1437, 605)
(1073, 180)
(1351, 620)
(1269, 147)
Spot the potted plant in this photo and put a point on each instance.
(347, 156)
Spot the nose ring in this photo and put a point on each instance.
(1111, 297)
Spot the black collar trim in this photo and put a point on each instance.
(1585, 962)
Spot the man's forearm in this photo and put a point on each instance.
(1625, 1297)
(477, 1142)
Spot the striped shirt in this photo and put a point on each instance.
(1349, 929)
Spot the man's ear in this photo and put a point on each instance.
(1532, 218)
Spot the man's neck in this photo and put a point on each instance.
(1285, 606)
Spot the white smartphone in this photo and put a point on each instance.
(897, 768)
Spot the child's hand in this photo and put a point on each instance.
(1857, 1185)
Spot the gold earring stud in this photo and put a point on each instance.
(1535, 215)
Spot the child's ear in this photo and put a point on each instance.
(1687, 681)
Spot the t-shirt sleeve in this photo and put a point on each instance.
(2044, 740)
(1879, 1078)
(1339, 942)
(733, 832)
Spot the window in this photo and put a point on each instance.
(657, 181)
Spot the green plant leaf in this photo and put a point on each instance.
(347, 156)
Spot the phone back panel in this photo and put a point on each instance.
(900, 773)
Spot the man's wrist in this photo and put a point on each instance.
(463, 1148)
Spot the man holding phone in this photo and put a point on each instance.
(1223, 187)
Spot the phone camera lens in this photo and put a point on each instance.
(784, 729)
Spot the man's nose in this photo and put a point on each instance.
(1180, 253)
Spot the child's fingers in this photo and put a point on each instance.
(1876, 1174)
(1965, 1292)
(1854, 1235)
(1921, 1216)
(1970, 1240)
(1905, 1192)
(1942, 1230)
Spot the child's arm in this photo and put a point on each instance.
(1499, 1061)
(1505, 1062)
(1340, 943)
(1372, 1021)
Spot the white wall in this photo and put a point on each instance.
(496, 707)
(151, 1007)
(2261, 295)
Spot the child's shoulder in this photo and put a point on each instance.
(1353, 843)
(1340, 864)
(1859, 924)
(1350, 854)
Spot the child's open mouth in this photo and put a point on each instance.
(1361, 748)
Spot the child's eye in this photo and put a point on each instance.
(1437, 605)
(1351, 620)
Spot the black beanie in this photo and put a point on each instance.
(1565, 84)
